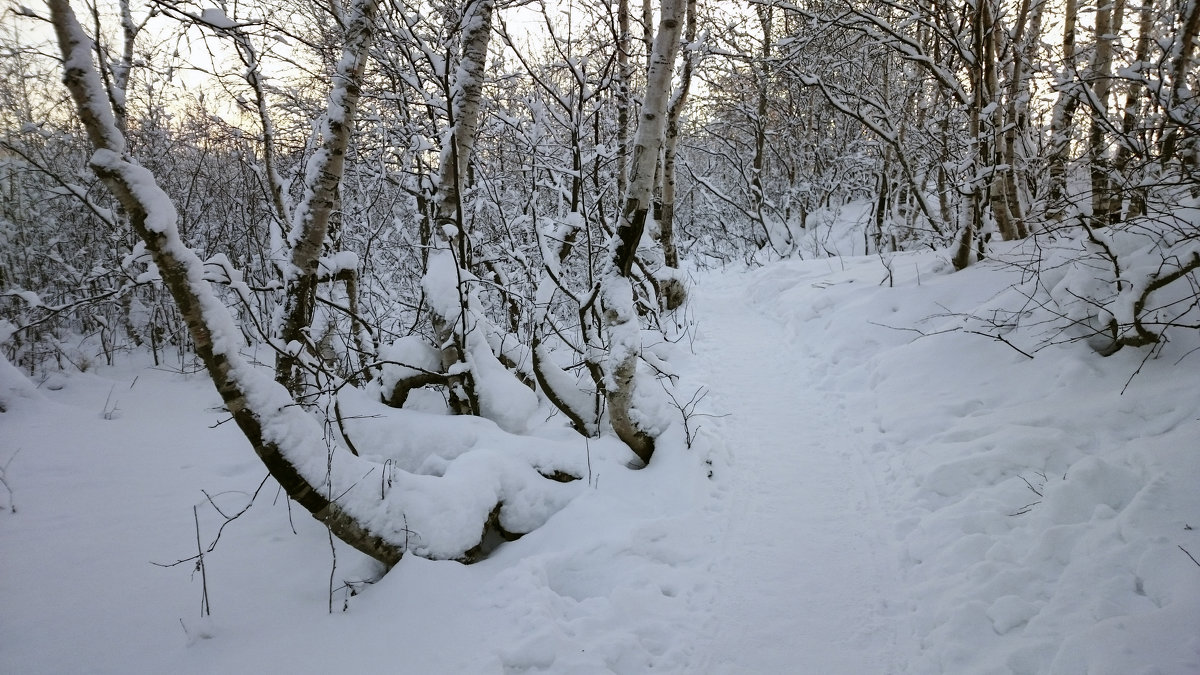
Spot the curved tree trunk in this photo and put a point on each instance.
(264, 412)
(616, 292)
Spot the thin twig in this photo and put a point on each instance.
(1181, 548)
(12, 504)
(1035, 490)
(205, 608)
(332, 566)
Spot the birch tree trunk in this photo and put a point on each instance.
(624, 75)
(1180, 92)
(972, 229)
(1063, 114)
(1108, 25)
(758, 163)
(1132, 113)
(671, 143)
(466, 94)
(1001, 165)
(264, 412)
(1025, 46)
(616, 288)
(310, 222)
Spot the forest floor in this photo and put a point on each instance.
(857, 498)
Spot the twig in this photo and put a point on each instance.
(1181, 548)
(1149, 354)
(1025, 509)
(110, 413)
(332, 566)
(228, 519)
(12, 504)
(205, 608)
(337, 413)
(588, 449)
(1001, 338)
(1030, 485)
(353, 485)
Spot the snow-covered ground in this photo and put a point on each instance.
(858, 499)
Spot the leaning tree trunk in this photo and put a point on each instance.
(616, 287)
(265, 413)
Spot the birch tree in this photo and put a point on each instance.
(311, 219)
(266, 415)
(635, 425)
(671, 142)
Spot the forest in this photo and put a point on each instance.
(344, 212)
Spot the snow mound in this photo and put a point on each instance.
(15, 388)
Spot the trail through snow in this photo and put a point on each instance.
(802, 574)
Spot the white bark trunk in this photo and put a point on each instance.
(288, 441)
(310, 222)
(616, 295)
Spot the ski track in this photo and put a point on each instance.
(801, 575)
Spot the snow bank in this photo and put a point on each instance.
(1043, 511)
(612, 581)
(15, 388)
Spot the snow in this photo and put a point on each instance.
(502, 397)
(406, 358)
(857, 499)
(15, 389)
(217, 18)
(342, 261)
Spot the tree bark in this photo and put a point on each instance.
(616, 292)
(973, 228)
(624, 75)
(1181, 67)
(260, 409)
(310, 222)
(465, 94)
(1108, 25)
(758, 163)
(1131, 114)
(1062, 115)
(671, 143)
(1025, 47)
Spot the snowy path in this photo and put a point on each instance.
(801, 579)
